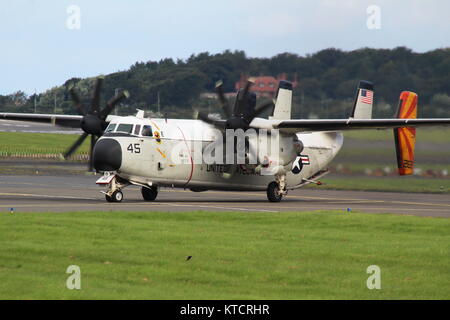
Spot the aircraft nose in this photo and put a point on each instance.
(107, 155)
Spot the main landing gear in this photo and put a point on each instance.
(150, 193)
(276, 189)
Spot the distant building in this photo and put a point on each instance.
(264, 85)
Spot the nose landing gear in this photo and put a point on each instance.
(115, 186)
(116, 196)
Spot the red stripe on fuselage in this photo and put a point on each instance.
(190, 157)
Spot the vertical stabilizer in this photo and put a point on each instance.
(405, 137)
(283, 105)
(362, 108)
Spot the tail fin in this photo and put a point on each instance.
(405, 137)
(362, 108)
(283, 105)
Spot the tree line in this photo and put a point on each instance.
(327, 82)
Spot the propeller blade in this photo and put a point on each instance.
(249, 83)
(223, 101)
(204, 117)
(241, 100)
(261, 108)
(75, 146)
(112, 103)
(91, 153)
(215, 122)
(96, 98)
(76, 101)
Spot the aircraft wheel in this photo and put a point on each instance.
(273, 193)
(117, 196)
(108, 198)
(149, 194)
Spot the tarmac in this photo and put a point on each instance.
(24, 126)
(66, 193)
(59, 187)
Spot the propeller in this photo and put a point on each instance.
(94, 119)
(238, 117)
(243, 112)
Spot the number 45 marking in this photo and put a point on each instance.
(134, 148)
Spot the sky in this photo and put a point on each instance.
(46, 42)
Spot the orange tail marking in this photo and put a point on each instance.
(405, 137)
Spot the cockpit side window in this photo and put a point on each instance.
(137, 129)
(111, 127)
(125, 127)
(147, 131)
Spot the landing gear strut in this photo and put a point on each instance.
(114, 192)
(150, 193)
(273, 192)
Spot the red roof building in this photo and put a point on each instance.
(264, 85)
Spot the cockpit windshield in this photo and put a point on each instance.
(124, 127)
(128, 128)
(111, 127)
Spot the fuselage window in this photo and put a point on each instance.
(124, 127)
(137, 129)
(147, 131)
(110, 127)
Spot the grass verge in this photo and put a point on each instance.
(393, 184)
(435, 135)
(319, 255)
(39, 143)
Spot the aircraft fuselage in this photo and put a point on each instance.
(169, 157)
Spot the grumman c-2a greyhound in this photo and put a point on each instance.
(154, 153)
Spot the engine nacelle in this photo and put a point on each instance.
(298, 145)
(280, 152)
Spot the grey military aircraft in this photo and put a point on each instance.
(242, 152)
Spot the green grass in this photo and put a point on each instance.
(436, 135)
(39, 143)
(319, 255)
(357, 167)
(395, 184)
(389, 153)
(48, 142)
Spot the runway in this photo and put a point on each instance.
(36, 127)
(36, 193)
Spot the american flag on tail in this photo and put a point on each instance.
(366, 96)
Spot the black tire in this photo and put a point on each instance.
(108, 198)
(273, 192)
(150, 193)
(117, 196)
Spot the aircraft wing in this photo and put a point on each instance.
(57, 119)
(72, 121)
(293, 126)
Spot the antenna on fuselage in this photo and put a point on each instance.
(140, 114)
